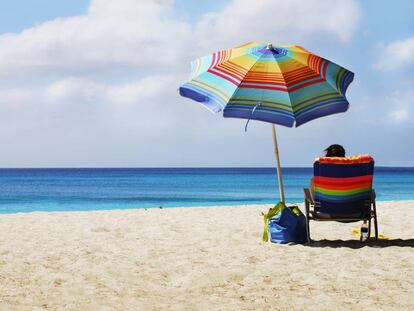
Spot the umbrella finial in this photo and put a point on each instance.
(269, 46)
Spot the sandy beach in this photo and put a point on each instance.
(209, 258)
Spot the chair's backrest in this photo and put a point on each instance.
(343, 186)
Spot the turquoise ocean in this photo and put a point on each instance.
(27, 190)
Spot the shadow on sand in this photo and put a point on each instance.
(358, 244)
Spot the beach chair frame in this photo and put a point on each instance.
(311, 208)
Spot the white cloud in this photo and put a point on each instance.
(87, 90)
(128, 33)
(399, 106)
(399, 115)
(147, 34)
(289, 22)
(396, 54)
(102, 86)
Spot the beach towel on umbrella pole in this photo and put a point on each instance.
(279, 84)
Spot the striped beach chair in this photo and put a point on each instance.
(342, 191)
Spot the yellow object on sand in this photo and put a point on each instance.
(357, 232)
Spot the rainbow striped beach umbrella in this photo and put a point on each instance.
(283, 84)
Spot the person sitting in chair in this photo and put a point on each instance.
(334, 150)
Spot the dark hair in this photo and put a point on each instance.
(335, 151)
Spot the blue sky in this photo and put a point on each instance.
(18, 15)
(93, 83)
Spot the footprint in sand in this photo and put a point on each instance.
(100, 229)
(252, 259)
(58, 282)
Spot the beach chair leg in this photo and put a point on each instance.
(308, 229)
(369, 229)
(374, 213)
(308, 202)
(375, 222)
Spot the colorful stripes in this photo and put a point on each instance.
(292, 85)
(343, 185)
(355, 159)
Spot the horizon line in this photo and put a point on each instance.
(174, 167)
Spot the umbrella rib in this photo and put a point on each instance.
(247, 71)
(197, 77)
(282, 74)
(318, 74)
(242, 79)
(324, 78)
(238, 51)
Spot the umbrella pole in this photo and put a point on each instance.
(279, 172)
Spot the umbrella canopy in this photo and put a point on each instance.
(281, 84)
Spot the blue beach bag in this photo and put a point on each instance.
(285, 224)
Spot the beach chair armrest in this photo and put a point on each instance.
(308, 196)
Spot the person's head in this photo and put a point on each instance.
(335, 151)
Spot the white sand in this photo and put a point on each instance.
(200, 259)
